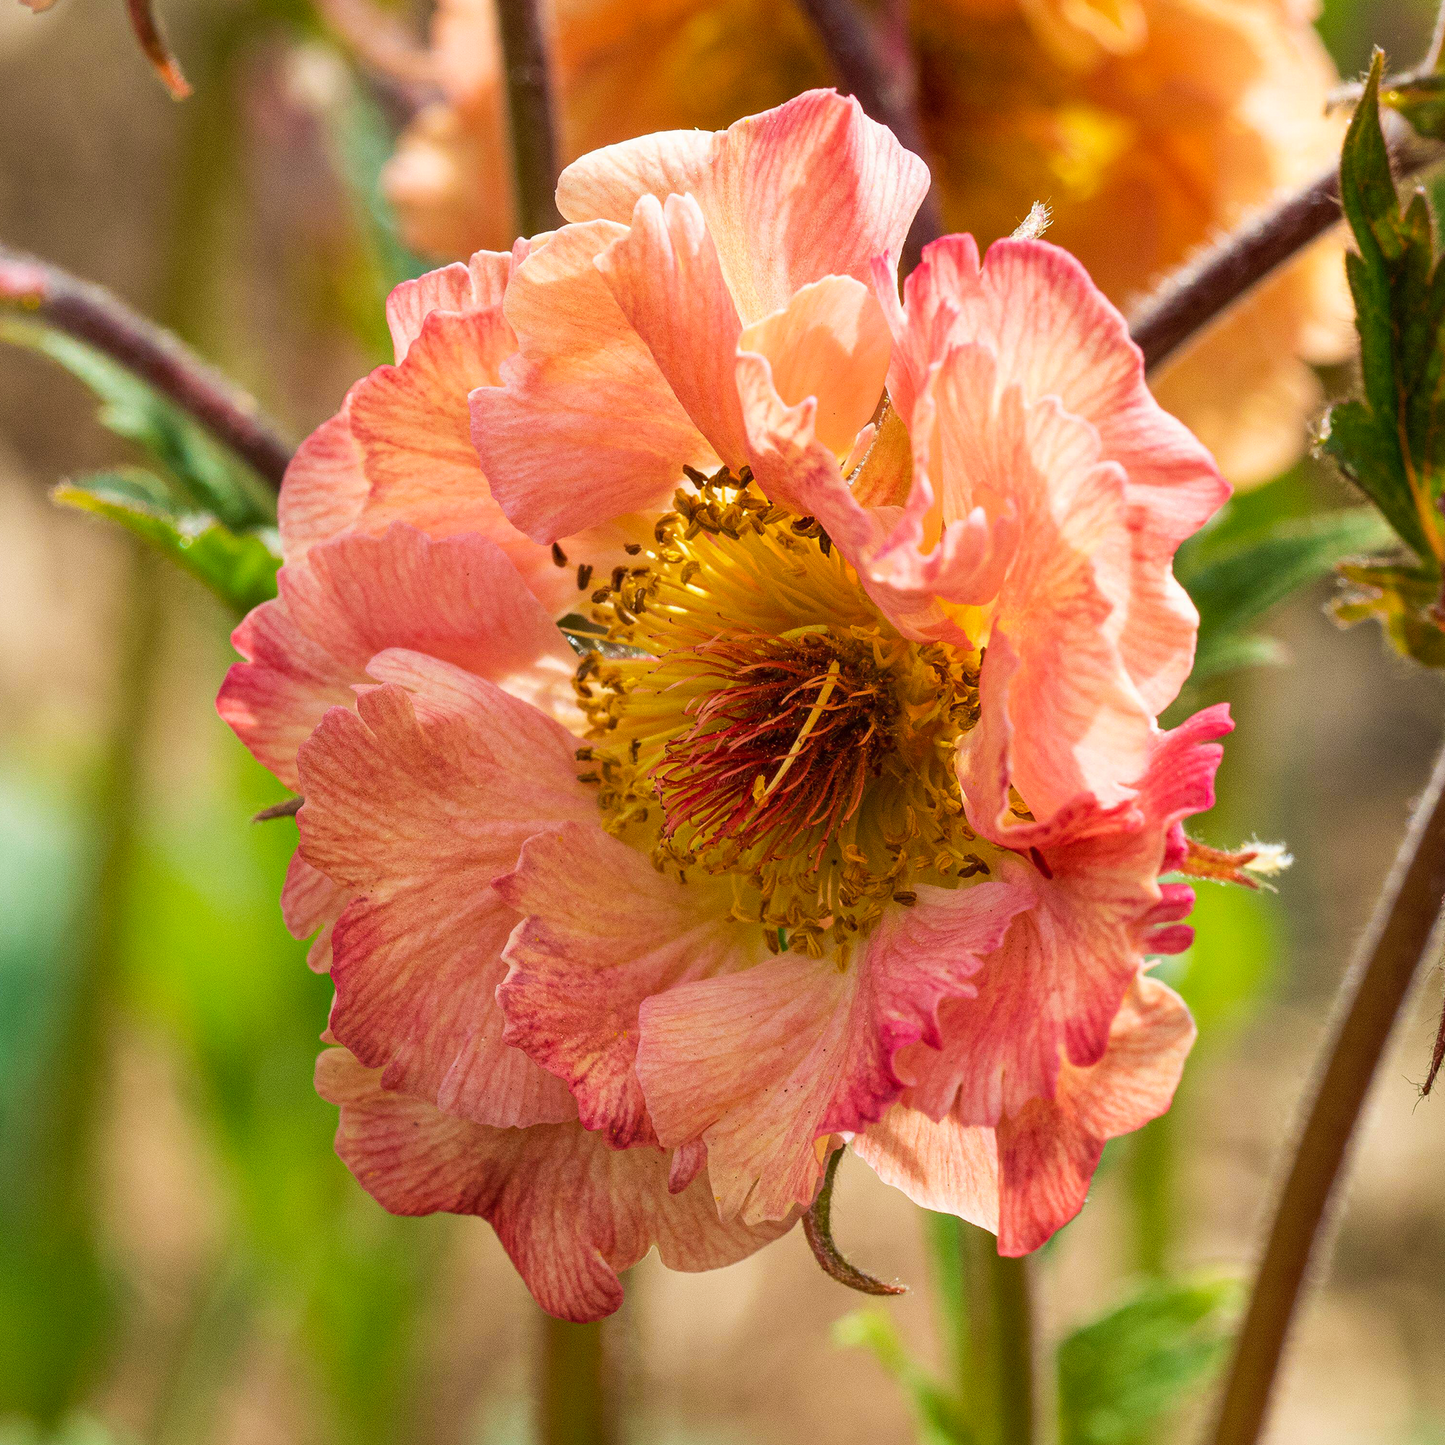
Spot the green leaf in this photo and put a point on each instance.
(1233, 585)
(1122, 1375)
(936, 1410)
(238, 566)
(1391, 442)
(199, 470)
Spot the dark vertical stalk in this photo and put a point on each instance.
(1391, 955)
(530, 115)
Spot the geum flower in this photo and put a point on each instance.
(844, 816)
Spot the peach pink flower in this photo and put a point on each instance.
(841, 818)
(1147, 126)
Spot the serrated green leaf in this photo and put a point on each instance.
(1391, 443)
(238, 566)
(936, 1411)
(197, 468)
(1124, 1373)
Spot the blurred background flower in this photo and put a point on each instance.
(182, 1259)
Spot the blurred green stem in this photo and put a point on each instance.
(1151, 1167)
(1392, 952)
(576, 1392)
(986, 1311)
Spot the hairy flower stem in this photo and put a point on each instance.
(530, 115)
(1203, 289)
(1390, 957)
(886, 86)
(92, 314)
(575, 1398)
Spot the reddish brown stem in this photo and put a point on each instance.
(93, 315)
(1374, 992)
(1202, 290)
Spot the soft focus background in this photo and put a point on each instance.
(182, 1258)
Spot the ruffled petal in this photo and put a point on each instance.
(1054, 335)
(1030, 1176)
(761, 1065)
(1048, 1154)
(584, 427)
(400, 448)
(603, 931)
(942, 1165)
(811, 189)
(1049, 995)
(478, 285)
(1075, 720)
(460, 600)
(570, 1212)
(417, 805)
(324, 489)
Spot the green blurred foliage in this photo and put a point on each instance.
(1121, 1378)
(1138, 1365)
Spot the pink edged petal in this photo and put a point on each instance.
(311, 903)
(1030, 1176)
(792, 467)
(939, 1164)
(584, 427)
(570, 1212)
(665, 276)
(407, 308)
(401, 450)
(324, 489)
(603, 931)
(1048, 1154)
(1051, 993)
(830, 342)
(412, 425)
(1055, 334)
(417, 803)
(811, 189)
(459, 599)
(762, 1064)
(1054, 986)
